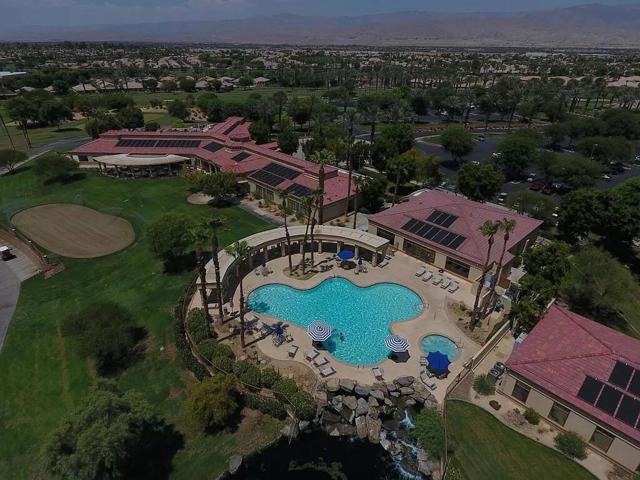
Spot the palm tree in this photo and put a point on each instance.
(322, 158)
(317, 195)
(488, 229)
(285, 210)
(307, 207)
(359, 183)
(351, 120)
(240, 251)
(214, 225)
(506, 226)
(200, 235)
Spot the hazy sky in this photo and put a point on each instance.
(77, 12)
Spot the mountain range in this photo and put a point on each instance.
(586, 26)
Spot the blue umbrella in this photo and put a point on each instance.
(346, 255)
(438, 362)
(396, 343)
(319, 331)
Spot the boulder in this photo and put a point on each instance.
(347, 385)
(406, 390)
(374, 426)
(424, 468)
(396, 448)
(304, 425)
(330, 418)
(422, 455)
(343, 430)
(321, 397)
(410, 402)
(362, 406)
(361, 390)
(372, 402)
(350, 402)
(361, 427)
(234, 463)
(386, 444)
(388, 402)
(348, 414)
(378, 395)
(431, 402)
(373, 412)
(333, 385)
(392, 387)
(394, 394)
(404, 381)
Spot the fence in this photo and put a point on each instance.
(45, 264)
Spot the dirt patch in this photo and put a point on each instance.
(74, 231)
(199, 199)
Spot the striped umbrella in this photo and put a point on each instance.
(396, 343)
(319, 331)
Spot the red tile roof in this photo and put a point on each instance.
(563, 348)
(471, 215)
(233, 134)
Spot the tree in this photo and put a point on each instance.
(215, 224)
(178, 109)
(151, 126)
(54, 166)
(169, 236)
(517, 151)
(111, 435)
(579, 214)
(299, 110)
(169, 86)
(130, 118)
(285, 211)
(104, 332)
(576, 172)
(53, 112)
(427, 170)
(605, 149)
(287, 139)
(246, 82)
(506, 226)
(480, 182)
(457, 141)
(100, 124)
(399, 136)
(556, 133)
(280, 100)
(9, 159)
(401, 169)
(150, 84)
(260, 132)
(373, 193)
(489, 230)
(187, 84)
(212, 403)
(219, 185)
(533, 204)
(571, 444)
(549, 262)
(200, 238)
(240, 251)
(369, 109)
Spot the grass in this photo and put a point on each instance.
(41, 136)
(485, 449)
(41, 375)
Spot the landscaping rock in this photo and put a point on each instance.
(374, 426)
(330, 418)
(304, 425)
(343, 430)
(362, 406)
(394, 394)
(424, 468)
(388, 402)
(321, 397)
(347, 385)
(361, 427)
(406, 390)
(336, 403)
(350, 402)
(404, 381)
(234, 463)
(347, 414)
(392, 387)
(431, 402)
(386, 444)
(410, 402)
(361, 391)
(378, 395)
(372, 402)
(373, 412)
(333, 385)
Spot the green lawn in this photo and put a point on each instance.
(488, 450)
(41, 376)
(40, 136)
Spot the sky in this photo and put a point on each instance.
(78, 12)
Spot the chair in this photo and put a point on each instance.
(383, 263)
(437, 279)
(293, 349)
(421, 272)
(423, 361)
(454, 287)
(445, 283)
(311, 354)
(377, 373)
(427, 276)
(319, 362)
(432, 386)
(327, 372)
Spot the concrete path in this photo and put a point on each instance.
(9, 292)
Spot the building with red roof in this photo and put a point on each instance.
(583, 377)
(226, 147)
(443, 229)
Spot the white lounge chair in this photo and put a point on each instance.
(383, 263)
(311, 354)
(454, 287)
(319, 362)
(437, 279)
(427, 276)
(421, 272)
(445, 283)
(327, 371)
(293, 350)
(377, 373)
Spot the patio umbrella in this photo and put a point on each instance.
(438, 362)
(396, 343)
(319, 331)
(346, 255)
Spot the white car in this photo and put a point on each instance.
(606, 177)
(496, 154)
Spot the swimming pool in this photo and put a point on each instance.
(360, 316)
(442, 344)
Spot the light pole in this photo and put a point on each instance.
(4, 125)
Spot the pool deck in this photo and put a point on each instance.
(434, 319)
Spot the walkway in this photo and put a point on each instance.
(9, 292)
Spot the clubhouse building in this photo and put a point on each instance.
(227, 147)
(443, 230)
(583, 377)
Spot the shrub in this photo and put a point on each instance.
(270, 407)
(495, 404)
(571, 444)
(184, 353)
(247, 373)
(302, 403)
(532, 416)
(483, 385)
(197, 325)
(223, 363)
(54, 165)
(268, 377)
(212, 350)
(429, 432)
(152, 126)
(212, 403)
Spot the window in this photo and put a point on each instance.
(601, 439)
(385, 234)
(455, 266)
(559, 413)
(521, 391)
(421, 253)
(265, 193)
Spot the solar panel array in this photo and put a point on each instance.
(213, 147)
(614, 399)
(442, 218)
(298, 190)
(148, 143)
(241, 156)
(136, 142)
(178, 143)
(274, 174)
(434, 234)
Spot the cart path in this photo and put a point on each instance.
(9, 292)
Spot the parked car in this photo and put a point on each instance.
(5, 253)
(502, 198)
(537, 185)
(497, 371)
(560, 188)
(606, 178)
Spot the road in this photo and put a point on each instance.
(62, 144)
(9, 292)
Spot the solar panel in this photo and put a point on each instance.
(609, 399)
(136, 142)
(629, 410)
(241, 156)
(298, 190)
(434, 234)
(213, 147)
(442, 218)
(178, 143)
(590, 390)
(634, 386)
(621, 374)
(281, 171)
(274, 174)
(266, 177)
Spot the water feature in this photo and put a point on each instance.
(442, 344)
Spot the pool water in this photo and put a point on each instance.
(442, 344)
(360, 316)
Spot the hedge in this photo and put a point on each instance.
(197, 325)
(269, 407)
(302, 402)
(247, 373)
(184, 353)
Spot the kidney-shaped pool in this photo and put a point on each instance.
(360, 316)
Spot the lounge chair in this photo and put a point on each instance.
(293, 349)
(377, 373)
(383, 263)
(454, 286)
(421, 272)
(437, 279)
(423, 361)
(327, 371)
(320, 362)
(432, 386)
(311, 354)
(445, 283)
(427, 276)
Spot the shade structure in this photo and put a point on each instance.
(319, 331)
(438, 362)
(346, 255)
(396, 343)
